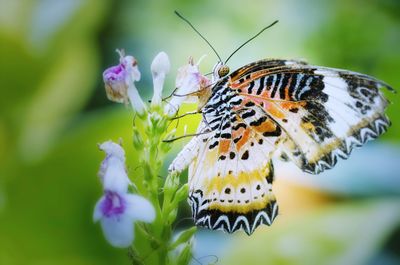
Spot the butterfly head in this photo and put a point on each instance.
(220, 70)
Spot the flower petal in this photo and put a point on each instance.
(160, 64)
(113, 149)
(98, 214)
(139, 208)
(115, 85)
(119, 82)
(135, 99)
(131, 66)
(115, 178)
(118, 230)
(112, 170)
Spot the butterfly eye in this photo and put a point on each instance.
(223, 71)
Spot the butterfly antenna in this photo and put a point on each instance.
(190, 24)
(255, 36)
(184, 136)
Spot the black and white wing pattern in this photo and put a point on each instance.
(308, 114)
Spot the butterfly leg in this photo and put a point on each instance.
(185, 157)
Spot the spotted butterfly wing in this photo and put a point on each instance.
(307, 114)
(324, 112)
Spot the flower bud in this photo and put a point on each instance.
(184, 236)
(181, 194)
(185, 255)
(172, 215)
(171, 184)
(166, 145)
(159, 68)
(137, 139)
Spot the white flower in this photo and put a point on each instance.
(159, 68)
(189, 82)
(117, 213)
(117, 210)
(112, 171)
(119, 83)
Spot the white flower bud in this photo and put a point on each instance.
(159, 68)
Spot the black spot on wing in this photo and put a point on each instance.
(277, 132)
(248, 114)
(245, 155)
(250, 104)
(259, 121)
(213, 145)
(239, 125)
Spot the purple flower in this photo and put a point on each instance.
(117, 213)
(114, 80)
(113, 204)
(117, 210)
(119, 82)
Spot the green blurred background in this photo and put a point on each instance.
(54, 111)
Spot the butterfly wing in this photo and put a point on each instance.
(230, 178)
(325, 112)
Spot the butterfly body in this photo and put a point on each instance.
(307, 114)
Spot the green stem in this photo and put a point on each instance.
(153, 166)
(160, 231)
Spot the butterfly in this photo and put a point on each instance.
(310, 115)
(307, 114)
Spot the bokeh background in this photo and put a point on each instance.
(54, 111)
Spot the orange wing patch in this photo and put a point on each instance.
(224, 146)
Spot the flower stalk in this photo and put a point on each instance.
(154, 207)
